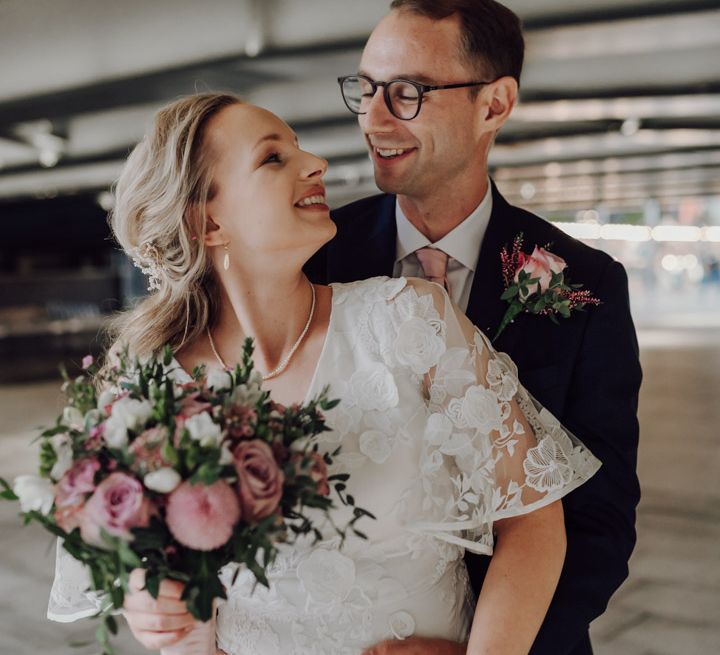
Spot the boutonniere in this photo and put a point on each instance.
(536, 284)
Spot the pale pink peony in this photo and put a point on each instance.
(201, 516)
(77, 482)
(117, 505)
(260, 481)
(541, 264)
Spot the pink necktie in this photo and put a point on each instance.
(434, 263)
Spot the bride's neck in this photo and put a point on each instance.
(272, 309)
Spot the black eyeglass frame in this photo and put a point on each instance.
(421, 90)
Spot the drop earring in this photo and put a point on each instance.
(226, 259)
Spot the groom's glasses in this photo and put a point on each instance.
(402, 97)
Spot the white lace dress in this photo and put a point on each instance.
(440, 440)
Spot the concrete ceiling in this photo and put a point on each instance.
(633, 86)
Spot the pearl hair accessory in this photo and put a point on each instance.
(147, 258)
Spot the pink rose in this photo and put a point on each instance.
(117, 505)
(260, 481)
(87, 361)
(541, 264)
(69, 518)
(76, 483)
(201, 516)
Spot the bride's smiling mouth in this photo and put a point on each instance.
(314, 199)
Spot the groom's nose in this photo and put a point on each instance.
(378, 115)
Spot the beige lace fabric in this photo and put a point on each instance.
(441, 441)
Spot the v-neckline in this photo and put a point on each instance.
(321, 356)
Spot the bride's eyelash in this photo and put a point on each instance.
(273, 158)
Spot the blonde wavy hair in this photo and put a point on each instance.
(159, 219)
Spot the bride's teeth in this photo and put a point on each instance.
(391, 152)
(312, 200)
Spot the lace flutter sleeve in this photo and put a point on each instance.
(70, 596)
(506, 455)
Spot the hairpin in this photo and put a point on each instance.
(147, 258)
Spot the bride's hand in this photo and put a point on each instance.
(157, 623)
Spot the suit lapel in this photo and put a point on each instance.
(350, 258)
(485, 308)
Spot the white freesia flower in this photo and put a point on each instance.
(226, 456)
(375, 445)
(35, 493)
(133, 413)
(62, 445)
(105, 398)
(218, 379)
(374, 387)
(326, 575)
(163, 480)
(246, 394)
(481, 409)
(73, 418)
(115, 433)
(202, 429)
(418, 345)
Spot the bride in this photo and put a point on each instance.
(221, 207)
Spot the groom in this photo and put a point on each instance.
(442, 218)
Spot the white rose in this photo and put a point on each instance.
(62, 445)
(163, 480)
(202, 429)
(326, 575)
(106, 398)
(418, 345)
(115, 433)
(35, 493)
(73, 418)
(375, 445)
(481, 409)
(218, 379)
(133, 413)
(374, 388)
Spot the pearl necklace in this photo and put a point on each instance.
(284, 363)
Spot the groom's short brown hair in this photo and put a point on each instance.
(491, 42)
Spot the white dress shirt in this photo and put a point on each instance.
(461, 244)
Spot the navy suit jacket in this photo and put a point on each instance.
(585, 370)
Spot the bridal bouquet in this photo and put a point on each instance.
(178, 475)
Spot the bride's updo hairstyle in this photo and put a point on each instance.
(159, 219)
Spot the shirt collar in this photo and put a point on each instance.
(462, 243)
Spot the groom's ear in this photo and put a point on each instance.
(498, 101)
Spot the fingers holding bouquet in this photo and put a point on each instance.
(156, 622)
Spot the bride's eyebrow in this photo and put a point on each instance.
(273, 137)
(268, 137)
